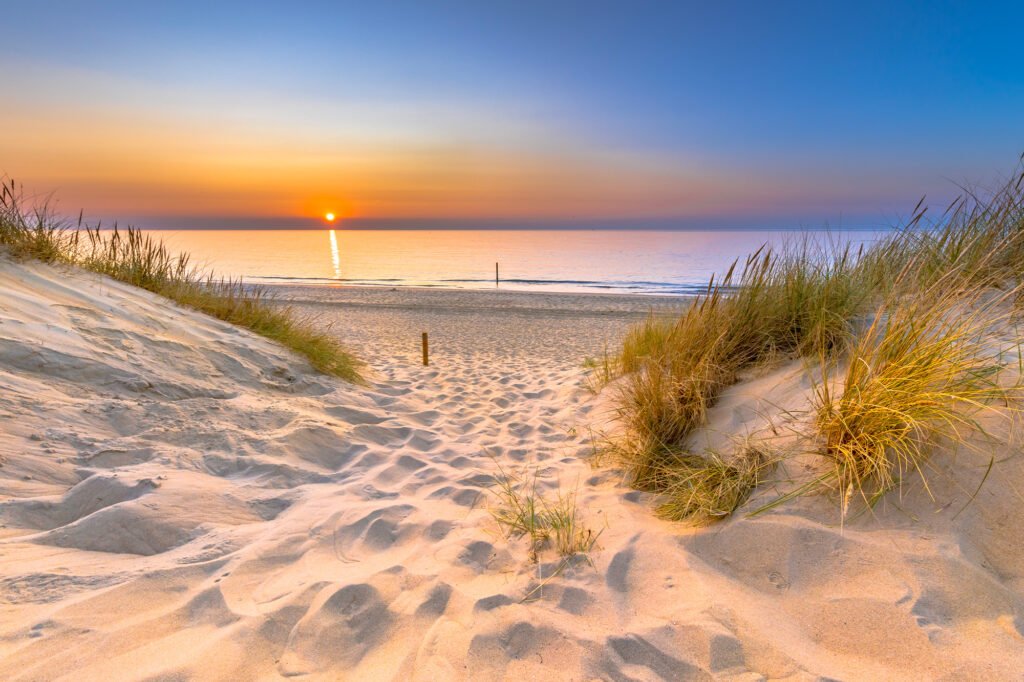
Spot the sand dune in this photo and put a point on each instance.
(182, 499)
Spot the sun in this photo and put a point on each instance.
(329, 217)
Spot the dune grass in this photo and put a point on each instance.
(901, 319)
(135, 258)
(521, 510)
(924, 368)
(709, 487)
(780, 304)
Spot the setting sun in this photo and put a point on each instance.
(329, 217)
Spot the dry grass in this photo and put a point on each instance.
(781, 304)
(600, 371)
(133, 257)
(521, 510)
(920, 367)
(925, 367)
(644, 341)
(707, 487)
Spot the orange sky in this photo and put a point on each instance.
(130, 149)
(116, 163)
(145, 163)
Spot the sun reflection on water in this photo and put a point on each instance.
(334, 255)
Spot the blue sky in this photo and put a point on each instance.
(712, 113)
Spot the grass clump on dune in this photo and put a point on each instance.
(780, 304)
(920, 367)
(925, 367)
(135, 258)
(708, 487)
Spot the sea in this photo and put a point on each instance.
(597, 261)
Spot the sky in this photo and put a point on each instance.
(508, 113)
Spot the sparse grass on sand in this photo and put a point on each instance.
(521, 510)
(904, 321)
(600, 370)
(133, 257)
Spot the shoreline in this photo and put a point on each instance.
(478, 299)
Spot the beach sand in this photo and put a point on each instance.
(183, 499)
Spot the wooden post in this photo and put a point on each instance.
(426, 360)
(495, 274)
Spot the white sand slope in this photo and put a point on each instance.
(182, 499)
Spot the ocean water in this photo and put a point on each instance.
(606, 261)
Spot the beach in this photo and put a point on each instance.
(497, 341)
(184, 499)
(384, 324)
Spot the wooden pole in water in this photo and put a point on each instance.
(426, 360)
(495, 274)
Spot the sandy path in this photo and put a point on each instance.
(183, 499)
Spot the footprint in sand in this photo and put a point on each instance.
(778, 580)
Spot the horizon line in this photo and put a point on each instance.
(857, 223)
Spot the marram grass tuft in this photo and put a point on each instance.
(925, 367)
